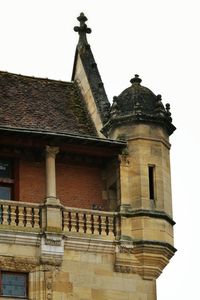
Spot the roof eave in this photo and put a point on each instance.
(76, 138)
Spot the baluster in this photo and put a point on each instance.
(66, 221)
(29, 217)
(21, 216)
(110, 225)
(81, 223)
(5, 214)
(73, 222)
(36, 217)
(89, 223)
(97, 224)
(13, 215)
(103, 226)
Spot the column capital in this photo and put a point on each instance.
(51, 151)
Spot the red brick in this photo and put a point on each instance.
(77, 186)
(31, 181)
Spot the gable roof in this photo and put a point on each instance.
(43, 104)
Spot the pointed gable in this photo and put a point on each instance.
(86, 74)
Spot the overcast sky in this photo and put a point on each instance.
(157, 39)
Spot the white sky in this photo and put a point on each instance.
(157, 39)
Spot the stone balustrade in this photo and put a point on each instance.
(92, 222)
(20, 214)
(26, 215)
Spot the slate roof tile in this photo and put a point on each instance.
(38, 103)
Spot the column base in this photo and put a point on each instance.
(52, 201)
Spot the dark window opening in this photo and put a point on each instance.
(6, 168)
(5, 192)
(6, 179)
(13, 284)
(152, 182)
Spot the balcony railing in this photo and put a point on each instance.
(20, 214)
(92, 222)
(28, 216)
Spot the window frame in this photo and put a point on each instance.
(15, 273)
(13, 181)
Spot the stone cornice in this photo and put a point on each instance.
(133, 118)
(144, 257)
(159, 140)
(89, 244)
(20, 238)
(129, 213)
(145, 243)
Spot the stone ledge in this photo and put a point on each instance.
(127, 211)
(88, 244)
(20, 238)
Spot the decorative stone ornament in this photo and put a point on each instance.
(82, 30)
(138, 104)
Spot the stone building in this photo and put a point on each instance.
(85, 194)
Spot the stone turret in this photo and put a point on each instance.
(138, 116)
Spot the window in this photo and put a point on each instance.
(152, 182)
(6, 179)
(13, 284)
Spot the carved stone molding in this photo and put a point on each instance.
(126, 249)
(49, 285)
(50, 263)
(124, 269)
(22, 264)
(53, 240)
(50, 267)
(147, 259)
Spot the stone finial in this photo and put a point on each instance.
(82, 29)
(136, 79)
(168, 108)
(168, 113)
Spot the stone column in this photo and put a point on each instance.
(52, 245)
(51, 175)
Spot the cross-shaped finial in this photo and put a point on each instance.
(82, 29)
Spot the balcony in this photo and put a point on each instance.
(32, 217)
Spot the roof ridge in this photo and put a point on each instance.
(37, 78)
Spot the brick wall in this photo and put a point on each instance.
(31, 181)
(77, 186)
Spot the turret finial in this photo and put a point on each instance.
(136, 79)
(82, 29)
